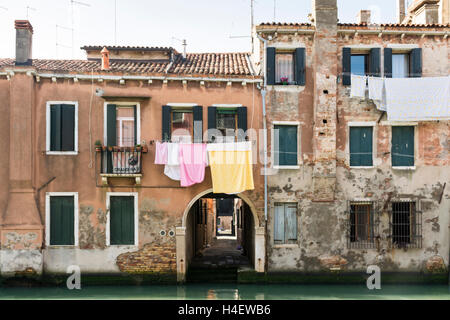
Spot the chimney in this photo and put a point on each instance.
(364, 16)
(105, 59)
(400, 11)
(24, 42)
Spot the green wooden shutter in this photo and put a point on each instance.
(402, 146)
(291, 222)
(198, 130)
(242, 122)
(111, 136)
(62, 220)
(166, 123)
(135, 124)
(361, 146)
(388, 62)
(346, 66)
(300, 69)
(270, 65)
(67, 127)
(278, 223)
(287, 145)
(416, 62)
(121, 220)
(55, 127)
(211, 121)
(375, 62)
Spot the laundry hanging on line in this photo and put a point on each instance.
(193, 159)
(231, 167)
(358, 88)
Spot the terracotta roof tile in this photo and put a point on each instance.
(396, 25)
(207, 64)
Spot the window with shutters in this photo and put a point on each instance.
(402, 149)
(61, 215)
(285, 223)
(285, 146)
(182, 125)
(405, 225)
(359, 61)
(363, 225)
(361, 153)
(62, 127)
(122, 219)
(122, 124)
(401, 63)
(286, 66)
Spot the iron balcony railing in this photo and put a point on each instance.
(121, 160)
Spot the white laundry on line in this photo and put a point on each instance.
(418, 99)
(172, 168)
(377, 92)
(358, 88)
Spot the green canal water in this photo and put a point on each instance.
(233, 292)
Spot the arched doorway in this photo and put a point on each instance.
(190, 236)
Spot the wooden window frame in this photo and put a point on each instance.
(285, 51)
(48, 195)
(235, 110)
(181, 110)
(123, 104)
(48, 129)
(108, 218)
(272, 137)
(372, 226)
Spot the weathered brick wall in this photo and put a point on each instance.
(151, 258)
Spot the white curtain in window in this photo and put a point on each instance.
(125, 127)
(400, 66)
(284, 67)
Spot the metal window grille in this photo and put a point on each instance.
(405, 225)
(363, 226)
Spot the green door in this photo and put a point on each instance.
(121, 220)
(62, 221)
(402, 146)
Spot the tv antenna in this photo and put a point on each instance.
(252, 7)
(274, 10)
(28, 11)
(59, 44)
(4, 8)
(184, 44)
(72, 3)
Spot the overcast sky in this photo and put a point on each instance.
(206, 24)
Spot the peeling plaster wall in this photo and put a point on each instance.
(322, 226)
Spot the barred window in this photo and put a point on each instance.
(406, 225)
(363, 225)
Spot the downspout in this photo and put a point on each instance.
(263, 94)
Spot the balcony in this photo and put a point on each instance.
(121, 162)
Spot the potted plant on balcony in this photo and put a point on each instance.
(98, 145)
(284, 80)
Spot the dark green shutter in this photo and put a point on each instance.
(287, 145)
(402, 146)
(242, 122)
(135, 124)
(388, 62)
(62, 220)
(198, 117)
(166, 123)
(300, 69)
(111, 135)
(346, 66)
(67, 127)
(375, 62)
(361, 146)
(416, 62)
(55, 127)
(270, 65)
(122, 220)
(211, 121)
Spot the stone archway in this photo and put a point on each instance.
(259, 238)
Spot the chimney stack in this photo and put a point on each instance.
(400, 10)
(24, 42)
(105, 59)
(364, 16)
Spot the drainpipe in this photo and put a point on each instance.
(263, 94)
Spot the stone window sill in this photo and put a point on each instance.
(405, 168)
(286, 167)
(286, 245)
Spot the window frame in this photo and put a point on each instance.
(108, 218)
(408, 57)
(272, 151)
(285, 51)
(375, 219)
(287, 243)
(366, 61)
(415, 139)
(48, 195)
(124, 104)
(374, 144)
(48, 129)
(417, 241)
(235, 113)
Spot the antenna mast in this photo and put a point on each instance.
(72, 3)
(28, 9)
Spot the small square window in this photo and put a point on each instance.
(284, 68)
(359, 64)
